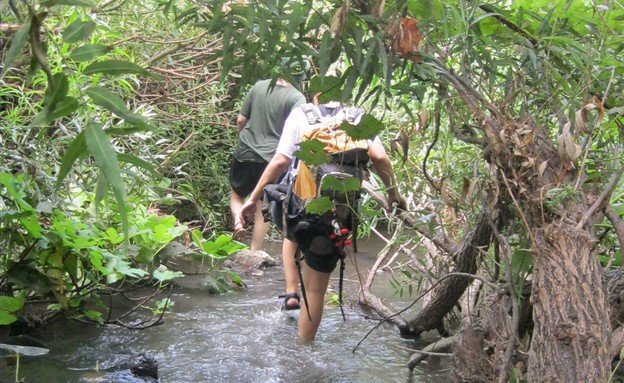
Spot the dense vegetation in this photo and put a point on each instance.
(504, 121)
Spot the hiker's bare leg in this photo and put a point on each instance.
(260, 229)
(236, 203)
(290, 268)
(315, 284)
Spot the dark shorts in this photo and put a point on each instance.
(325, 263)
(244, 176)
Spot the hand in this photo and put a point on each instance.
(397, 201)
(248, 211)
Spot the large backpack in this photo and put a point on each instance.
(338, 180)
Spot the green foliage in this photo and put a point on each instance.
(367, 128)
(341, 185)
(557, 197)
(319, 205)
(312, 152)
(73, 249)
(9, 305)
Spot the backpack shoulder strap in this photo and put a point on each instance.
(353, 113)
(312, 113)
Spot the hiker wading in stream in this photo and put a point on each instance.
(259, 125)
(316, 268)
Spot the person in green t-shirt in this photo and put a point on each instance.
(259, 124)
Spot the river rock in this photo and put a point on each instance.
(255, 260)
(144, 366)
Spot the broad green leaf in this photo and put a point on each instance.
(78, 30)
(101, 188)
(94, 315)
(63, 108)
(71, 265)
(113, 236)
(6, 318)
(57, 90)
(325, 52)
(341, 185)
(167, 275)
(55, 94)
(10, 304)
(17, 44)
(12, 186)
(82, 3)
(134, 160)
(312, 152)
(89, 52)
(115, 104)
(329, 86)
(367, 128)
(106, 159)
(108, 100)
(76, 149)
(115, 67)
(319, 205)
(197, 237)
(31, 223)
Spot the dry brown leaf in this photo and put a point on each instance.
(528, 138)
(569, 150)
(423, 118)
(542, 168)
(379, 7)
(410, 39)
(582, 115)
(339, 19)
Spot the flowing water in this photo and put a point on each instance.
(241, 337)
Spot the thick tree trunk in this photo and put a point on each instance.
(571, 334)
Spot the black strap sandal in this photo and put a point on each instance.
(292, 306)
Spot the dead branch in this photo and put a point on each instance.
(448, 294)
(368, 299)
(444, 243)
(431, 349)
(602, 199)
(515, 310)
(617, 222)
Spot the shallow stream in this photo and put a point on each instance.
(241, 337)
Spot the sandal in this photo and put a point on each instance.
(239, 233)
(290, 306)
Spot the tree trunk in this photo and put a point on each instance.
(571, 334)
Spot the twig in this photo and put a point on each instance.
(602, 199)
(431, 350)
(515, 310)
(177, 149)
(617, 222)
(435, 284)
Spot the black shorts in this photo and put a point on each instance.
(244, 176)
(323, 263)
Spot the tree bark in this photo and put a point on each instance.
(571, 334)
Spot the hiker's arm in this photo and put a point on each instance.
(241, 120)
(278, 165)
(383, 168)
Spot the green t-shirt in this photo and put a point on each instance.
(266, 110)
